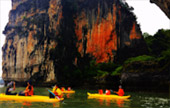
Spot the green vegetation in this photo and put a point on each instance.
(117, 71)
(139, 58)
(100, 70)
(159, 47)
(159, 42)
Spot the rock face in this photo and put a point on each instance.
(46, 37)
(164, 6)
(146, 76)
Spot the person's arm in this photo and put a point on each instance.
(13, 85)
(12, 89)
(115, 92)
(27, 90)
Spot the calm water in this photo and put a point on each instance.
(80, 100)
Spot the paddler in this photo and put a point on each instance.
(10, 88)
(100, 91)
(120, 91)
(56, 90)
(69, 88)
(29, 91)
(107, 92)
(63, 89)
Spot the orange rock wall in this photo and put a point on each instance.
(102, 39)
(42, 34)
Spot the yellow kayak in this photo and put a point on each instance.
(34, 98)
(66, 91)
(96, 95)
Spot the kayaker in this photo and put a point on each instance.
(10, 88)
(69, 88)
(100, 91)
(120, 91)
(56, 90)
(63, 89)
(107, 92)
(29, 91)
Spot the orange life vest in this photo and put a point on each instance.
(100, 91)
(120, 92)
(31, 92)
(62, 89)
(107, 92)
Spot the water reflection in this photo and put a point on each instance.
(20, 104)
(153, 102)
(28, 104)
(120, 103)
(110, 101)
(56, 105)
(169, 93)
(67, 95)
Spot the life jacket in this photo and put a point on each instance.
(57, 91)
(100, 91)
(107, 92)
(31, 92)
(62, 89)
(120, 92)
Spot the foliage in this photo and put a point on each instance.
(95, 70)
(159, 42)
(145, 35)
(117, 71)
(139, 58)
(165, 55)
(101, 73)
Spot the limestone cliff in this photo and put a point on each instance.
(46, 38)
(164, 6)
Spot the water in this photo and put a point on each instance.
(80, 100)
(1, 83)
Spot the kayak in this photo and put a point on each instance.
(66, 91)
(34, 98)
(96, 95)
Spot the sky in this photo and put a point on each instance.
(5, 6)
(149, 16)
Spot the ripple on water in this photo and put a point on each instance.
(155, 102)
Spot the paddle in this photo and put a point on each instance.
(113, 91)
(53, 94)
